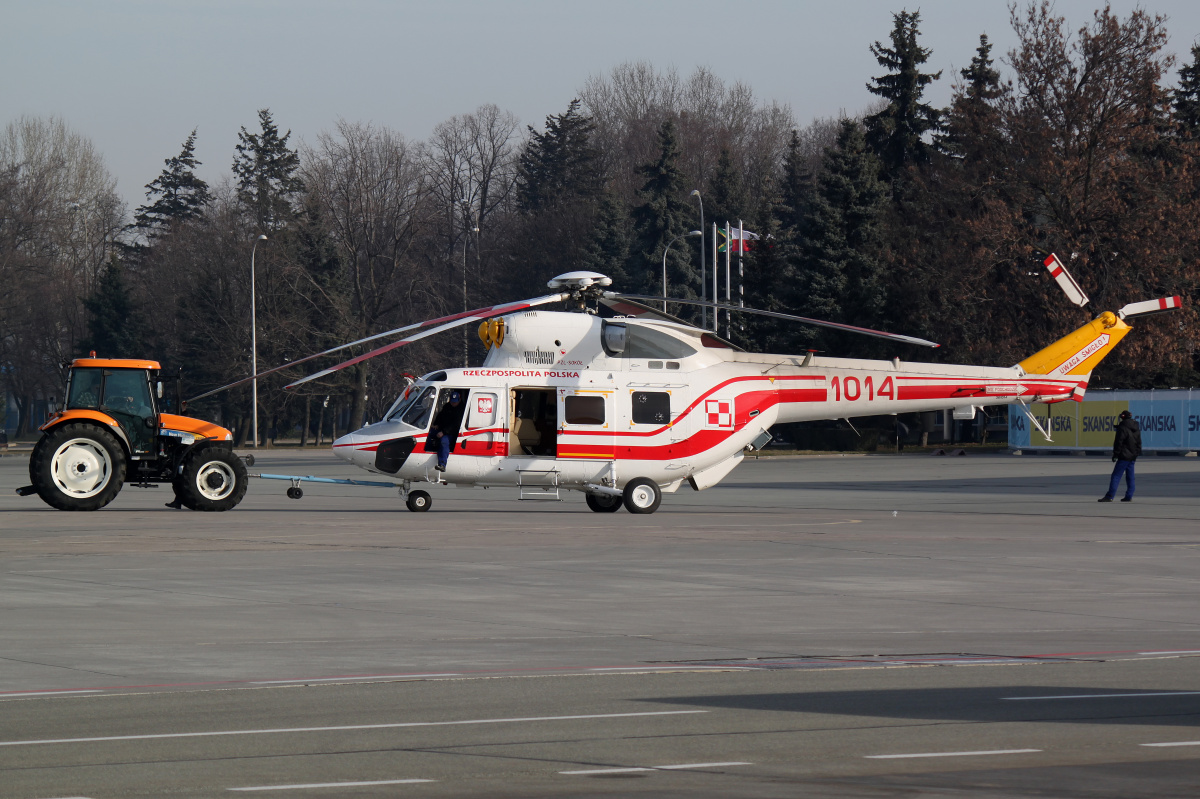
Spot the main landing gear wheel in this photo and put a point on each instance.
(77, 467)
(642, 496)
(603, 503)
(213, 479)
(418, 501)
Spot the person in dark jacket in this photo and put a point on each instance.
(1126, 447)
(445, 428)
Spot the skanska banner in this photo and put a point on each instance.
(1170, 420)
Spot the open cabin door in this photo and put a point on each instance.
(588, 423)
(533, 423)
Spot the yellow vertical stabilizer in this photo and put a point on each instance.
(1079, 352)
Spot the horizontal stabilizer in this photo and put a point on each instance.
(1148, 307)
(1064, 280)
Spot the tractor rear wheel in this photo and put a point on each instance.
(213, 479)
(77, 467)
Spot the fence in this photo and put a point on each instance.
(1170, 420)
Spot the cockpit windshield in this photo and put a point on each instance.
(415, 411)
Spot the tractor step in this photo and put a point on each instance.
(25, 491)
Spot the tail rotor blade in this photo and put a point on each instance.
(865, 331)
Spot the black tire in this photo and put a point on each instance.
(77, 467)
(418, 501)
(213, 479)
(295, 492)
(603, 503)
(642, 496)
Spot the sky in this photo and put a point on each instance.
(136, 76)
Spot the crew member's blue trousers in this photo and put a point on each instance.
(443, 450)
(1121, 468)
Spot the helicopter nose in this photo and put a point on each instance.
(345, 447)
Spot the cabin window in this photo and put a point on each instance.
(583, 410)
(672, 364)
(639, 341)
(654, 364)
(646, 342)
(85, 389)
(651, 407)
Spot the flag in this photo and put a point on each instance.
(739, 245)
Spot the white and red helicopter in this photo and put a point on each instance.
(626, 409)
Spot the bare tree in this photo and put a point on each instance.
(61, 216)
(367, 189)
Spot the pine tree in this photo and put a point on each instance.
(608, 247)
(1186, 98)
(795, 191)
(176, 195)
(896, 133)
(728, 200)
(115, 325)
(559, 165)
(972, 122)
(842, 274)
(661, 217)
(266, 174)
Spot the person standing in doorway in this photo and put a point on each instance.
(445, 428)
(1127, 445)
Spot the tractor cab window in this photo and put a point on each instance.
(127, 391)
(85, 389)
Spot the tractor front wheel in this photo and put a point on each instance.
(77, 467)
(213, 479)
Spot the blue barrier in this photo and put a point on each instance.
(1170, 421)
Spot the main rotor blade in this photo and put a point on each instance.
(866, 331)
(463, 315)
(457, 321)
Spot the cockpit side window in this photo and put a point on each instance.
(418, 409)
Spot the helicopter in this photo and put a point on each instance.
(629, 408)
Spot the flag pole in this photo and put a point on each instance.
(741, 272)
(728, 295)
(716, 265)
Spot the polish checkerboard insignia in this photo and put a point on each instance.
(719, 413)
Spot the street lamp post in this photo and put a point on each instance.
(703, 272)
(466, 204)
(664, 264)
(254, 348)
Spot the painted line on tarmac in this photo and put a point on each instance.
(953, 754)
(349, 727)
(678, 767)
(680, 667)
(1100, 696)
(327, 785)
(1176, 652)
(1176, 743)
(358, 679)
(19, 694)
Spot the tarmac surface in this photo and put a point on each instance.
(852, 626)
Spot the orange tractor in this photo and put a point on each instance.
(110, 431)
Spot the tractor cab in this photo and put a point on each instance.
(125, 390)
